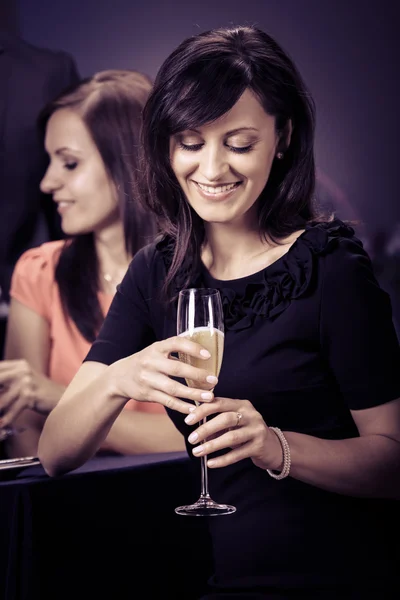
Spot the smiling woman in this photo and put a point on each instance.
(77, 178)
(223, 166)
(304, 434)
(61, 291)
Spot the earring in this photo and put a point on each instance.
(279, 155)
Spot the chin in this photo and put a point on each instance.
(72, 231)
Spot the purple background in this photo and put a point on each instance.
(347, 51)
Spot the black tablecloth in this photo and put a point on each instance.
(106, 530)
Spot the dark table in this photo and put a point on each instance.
(105, 530)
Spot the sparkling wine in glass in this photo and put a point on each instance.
(200, 318)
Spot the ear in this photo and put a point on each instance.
(285, 137)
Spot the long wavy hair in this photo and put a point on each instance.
(110, 103)
(198, 83)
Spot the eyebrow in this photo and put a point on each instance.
(66, 149)
(231, 132)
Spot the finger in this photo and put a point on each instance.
(218, 405)
(173, 403)
(201, 377)
(185, 346)
(8, 398)
(10, 416)
(210, 429)
(230, 439)
(10, 377)
(178, 390)
(12, 368)
(152, 381)
(234, 456)
(7, 376)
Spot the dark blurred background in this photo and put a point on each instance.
(347, 51)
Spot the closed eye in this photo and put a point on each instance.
(241, 149)
(190, 147)
(71, 165)
(197, 147)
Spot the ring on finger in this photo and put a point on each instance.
(238, 419)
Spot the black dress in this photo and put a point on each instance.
(307, 339)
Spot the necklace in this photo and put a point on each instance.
(112, 281)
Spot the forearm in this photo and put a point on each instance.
(365, 466)
(136, 432)
(77, 427)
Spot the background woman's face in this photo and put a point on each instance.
(76, 176)
(222, 167)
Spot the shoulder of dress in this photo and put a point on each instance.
(290, 277)
(41, 257)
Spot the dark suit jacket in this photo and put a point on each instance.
(29, 78)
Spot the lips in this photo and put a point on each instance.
(63, 205)
(217, 192)
(217, 189)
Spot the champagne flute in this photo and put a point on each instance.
(200, 318)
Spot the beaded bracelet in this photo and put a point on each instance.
(286, 455)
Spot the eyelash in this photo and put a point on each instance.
(71, 166)
(196, 147)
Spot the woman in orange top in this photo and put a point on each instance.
(62, 290)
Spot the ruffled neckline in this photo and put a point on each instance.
(270, 291)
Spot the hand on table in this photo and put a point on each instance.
(20, 387)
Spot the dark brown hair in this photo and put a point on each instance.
(198, 83)
(110, 104)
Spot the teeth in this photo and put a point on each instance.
(217, 190)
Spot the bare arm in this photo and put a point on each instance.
(77, 427)
(93, 401)
(368, 465)
(364, 466)
(32, 395)
(136, 432)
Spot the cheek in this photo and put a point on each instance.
(81, 184)
(257, 170)
(183, 164)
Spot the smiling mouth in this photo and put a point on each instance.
(64, 205)
(218, 189)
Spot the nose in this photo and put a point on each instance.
(51, 181)
(213, 163)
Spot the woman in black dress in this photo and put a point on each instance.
(305, 434)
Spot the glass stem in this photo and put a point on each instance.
(204, 474)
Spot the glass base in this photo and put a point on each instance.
(205, 507)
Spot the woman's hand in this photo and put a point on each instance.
(147, 375)
(236, 426)
(20, 388)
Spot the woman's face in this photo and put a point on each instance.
(223, 166)
(76, 177)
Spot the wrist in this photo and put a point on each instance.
(281, 471)
(110, 383)
(276, 453)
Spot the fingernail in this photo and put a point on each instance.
(205, 353)
(189, 419)
(212, 379)
(193, 437)
(198, 449)
(206, 395)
